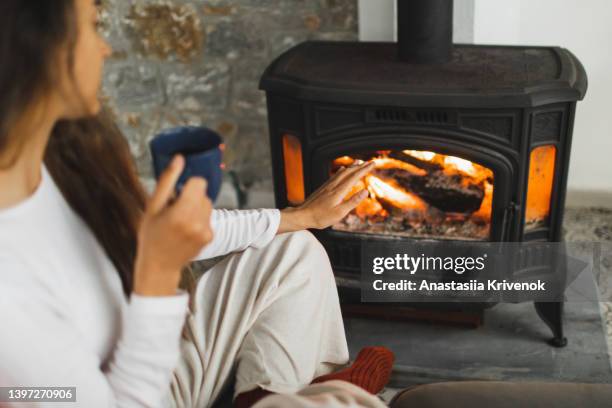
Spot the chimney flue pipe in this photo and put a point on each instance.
(425, 31)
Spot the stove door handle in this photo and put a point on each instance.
(509, 213)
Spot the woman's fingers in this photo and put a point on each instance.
(165, 186)
(346, 206)
(193, 194)
(333, 180)
(170, 239)
(329, 184)
(192, 210)
(340, 177)
(339, 172)
(350, 180)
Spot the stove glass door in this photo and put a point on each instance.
(421, 194)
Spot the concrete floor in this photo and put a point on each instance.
(511, 343)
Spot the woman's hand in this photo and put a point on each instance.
(326, 205)
(172, 232)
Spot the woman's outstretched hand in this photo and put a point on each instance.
(326, 205)
(172, 232)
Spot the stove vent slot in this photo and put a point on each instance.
(400, 115)
(345, 256)
(432, 117)
(388, 115)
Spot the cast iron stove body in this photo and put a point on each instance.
(472, 142)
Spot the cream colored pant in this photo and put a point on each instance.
(269, 318)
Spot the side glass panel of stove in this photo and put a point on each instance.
(294, 173)
(421, 194)
(540, 186)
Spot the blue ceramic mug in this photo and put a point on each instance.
(202, 149)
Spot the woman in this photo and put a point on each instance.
(90, 267)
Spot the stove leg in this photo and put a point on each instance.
(552, 314)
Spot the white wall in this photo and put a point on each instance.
(377, 20)
(584, 27)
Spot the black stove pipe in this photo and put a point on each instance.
(425, 31)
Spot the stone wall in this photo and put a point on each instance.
(198, 62)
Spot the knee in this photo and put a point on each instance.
(312, 254)
(304, 236)
(309, 245)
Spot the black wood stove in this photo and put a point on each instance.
(472, 142)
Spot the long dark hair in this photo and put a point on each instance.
(88, 158)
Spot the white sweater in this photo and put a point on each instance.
(64, 320)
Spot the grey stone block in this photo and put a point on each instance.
(180, 62)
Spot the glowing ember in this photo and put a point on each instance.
(344, 161)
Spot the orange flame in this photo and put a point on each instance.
(453, 164)
(484, 212)
(389, 163)
(344, 161)
(369, 207)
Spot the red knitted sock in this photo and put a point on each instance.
(370, 371)
(250, 398)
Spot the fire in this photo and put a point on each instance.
(484, 212)
(381, 162)
(369, 207)
(423, 155)
(452, 164)
(413, 182)
(461, 165)
(388, 163)
(344, 161)
(391, 192)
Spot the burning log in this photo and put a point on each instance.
(391, 192)
(450, 192)
(429, 166)
(446, 192)
(390, 163)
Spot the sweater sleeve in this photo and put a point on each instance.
(236, 230)
(40, 347)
